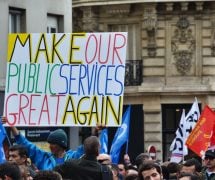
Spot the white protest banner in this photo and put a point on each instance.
(74, 79)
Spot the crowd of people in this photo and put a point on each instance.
(26, 162)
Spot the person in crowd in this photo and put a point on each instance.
(188, 176)
(150, 171)
(25, 173)
(87, 167)
(19, 155)
(10, 171)
(141, 158)
(47, 160)
(122, 169)
(192, 166)
(131, 177)
(174, 170)
(127, 161)
(115, 171)
(47, 175)
(165, 163)
(131, 170)
(165, 172)
(104, 159)
(209, 163)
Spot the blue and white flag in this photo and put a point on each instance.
(104, 141)
(121, 136)
(2, 137)
(2, 155)
(2, 132)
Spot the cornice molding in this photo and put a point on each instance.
(79, 3)
(119, 10)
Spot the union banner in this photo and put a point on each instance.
(200, 138)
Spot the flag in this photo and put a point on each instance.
(187, 123)
(2, 133)
(190, 121)
(104, 141)
(200, 138)
(212, 143)
(179, 141)
(2, 137)
(121, 136)
(2, 155)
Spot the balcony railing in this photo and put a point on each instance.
(133, 73)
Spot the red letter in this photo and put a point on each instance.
(91, 49)
(45, 103)
(115, 48)
(21, 108)
(14, 115)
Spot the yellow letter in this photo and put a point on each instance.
(42, 50)
(12, 44)
(69, 112)
(74, 48)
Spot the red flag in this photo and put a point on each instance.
(200, 138)
(213, 138)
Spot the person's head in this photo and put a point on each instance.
(165, 172)
(141, 158)
(131, 170)
(188, 176)
(122, 170)
(104, 159)
(174, 169)
(25, 172)
(57, 140)
(18, 154)
(115, 171)
(150, 171)
(191, 166)
(92, 146)
(10, 171)
(209, 160)
(131, 177)
(48, 175)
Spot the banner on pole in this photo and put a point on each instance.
(200, 137)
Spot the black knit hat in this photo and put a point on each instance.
(58, 137)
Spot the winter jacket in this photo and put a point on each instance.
(85, 168)
(42, 159)
(206, 177)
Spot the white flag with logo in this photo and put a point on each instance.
(190, 122)
(178, 143)
(187, 123)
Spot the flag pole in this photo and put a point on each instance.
(8, 139)
(126, 151)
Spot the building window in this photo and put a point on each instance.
(16, 20)
(54, 23)
(134, 39)
(133, 57)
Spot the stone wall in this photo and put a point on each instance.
(178, 55)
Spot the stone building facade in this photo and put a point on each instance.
(171, 52)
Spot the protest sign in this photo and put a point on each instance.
(74, 79)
